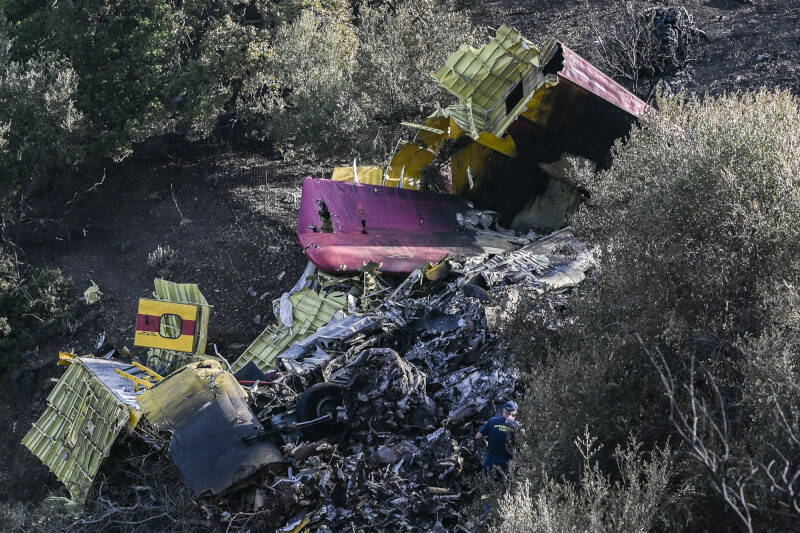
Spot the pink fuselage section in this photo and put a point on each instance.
(342, 226)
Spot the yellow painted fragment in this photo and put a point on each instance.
(166, 325)
(470, 164)
(368, 174)
(65, 358)
(439, 271)
(147, 380)
(438, 122)
(505, 145)
(299, 527)
(407, 163)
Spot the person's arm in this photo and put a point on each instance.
(480, 436)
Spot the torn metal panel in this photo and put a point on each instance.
(165, 355)
(206, 410)
(310, 311)
(343, 226)
(336, 331)
(166, 361)
(570, 258)
(483, 78)
(86, 410)
(569, 275)
(167, 325)
(500, 81)
(523, 106)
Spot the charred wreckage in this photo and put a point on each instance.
(357, 408)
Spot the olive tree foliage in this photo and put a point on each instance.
(310, 114)
(633, 502)
(122, 53)
(688, 328)
(40, 127)
(400, 48)
(344, 85)
(227, 59)
(147, 67)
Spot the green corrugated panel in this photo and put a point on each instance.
(182, 293)
(310, 311)
(76, 431)
(488, 74)
(483, 78)
(468, 119)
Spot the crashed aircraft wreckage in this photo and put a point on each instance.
(357, 408)
(521, 110)
(326, 426)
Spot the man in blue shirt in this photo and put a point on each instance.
(498, 436)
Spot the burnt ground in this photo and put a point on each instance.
(230, 216)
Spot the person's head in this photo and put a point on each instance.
(510, 409)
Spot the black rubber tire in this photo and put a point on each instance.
(317, 401)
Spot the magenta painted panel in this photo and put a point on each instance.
(401, 228)
(582, 73)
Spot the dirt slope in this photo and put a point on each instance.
(230, 222)
(749, 45)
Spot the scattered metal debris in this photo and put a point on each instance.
(92, 295)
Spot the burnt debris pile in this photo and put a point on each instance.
(356, 409)
(404, 383)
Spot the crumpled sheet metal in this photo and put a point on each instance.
(310, 311)
(86, 410)
(308, 355)
(383, 391)
(407, 461)
(511, 266)
(570, 274)
(207, 412)
(557, 261)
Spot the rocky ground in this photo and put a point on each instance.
(225, 219)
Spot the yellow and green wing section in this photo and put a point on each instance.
(85, 412)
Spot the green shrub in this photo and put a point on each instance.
(122, 53)
(634, 503)
(30, 309)
(344, 88)
(697, 233)
(314, 61)
(40, 127)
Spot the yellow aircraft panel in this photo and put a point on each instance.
(166, 325)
